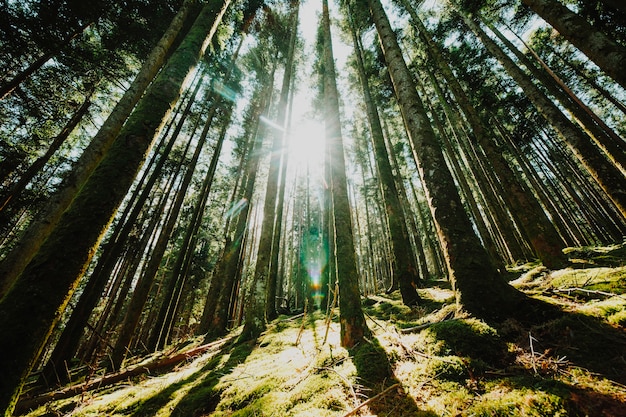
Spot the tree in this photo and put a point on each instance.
(599, 47)
(543, 236)
(607, 175)
(40, 229)
(351, 318)
(405, 274)
(478, 286)
(35, 302)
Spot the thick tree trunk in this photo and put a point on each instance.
(112, 250)
(478, 286)
(29, 312)
(38, 231)
(600, 48)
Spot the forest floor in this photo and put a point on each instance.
(428, 361)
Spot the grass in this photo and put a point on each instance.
(452, 364)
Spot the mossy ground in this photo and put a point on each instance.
(452, 364)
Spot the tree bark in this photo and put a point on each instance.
(600, 48)
(286, 91)
(405, 275)
(29, 312)
(478, 286)
(351, 318)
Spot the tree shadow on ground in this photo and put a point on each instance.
(203, 397)
(376, 376)
(151, 406)
(585, 341)
(578, 401)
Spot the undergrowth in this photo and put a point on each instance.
(432, 360)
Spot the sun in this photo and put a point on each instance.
(306, 145)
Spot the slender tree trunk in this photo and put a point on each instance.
(255, 317)
(270, 302)
(405, 275)
(29, 312)
(351, 318)
(600, 48)
(215, 316)
(610, 179)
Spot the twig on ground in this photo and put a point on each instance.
(374, 398)
(329, 313)
(422, 326)
(532, 351)
(596, 292)
(306, 305)
(109, 379)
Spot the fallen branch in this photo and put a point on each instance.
(306, 305)
(369, 401)
(26, 403)
(422, 326)
(596, 292)
(292, 318)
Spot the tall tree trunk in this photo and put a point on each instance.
(255, 317)
(543, 237)
(270, 301)
(610, 179)
(215, 315)
(405, 275)
(478, 286)
(29, 312)
(174, 281)
(351, 318)
(599, 47)
(39, 230)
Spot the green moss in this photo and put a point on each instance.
(465, 337)
(611, 280)
(613, 309)
(245, 394)
(612, 255)
(451, 368)
(503, 399)
(618, 318)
